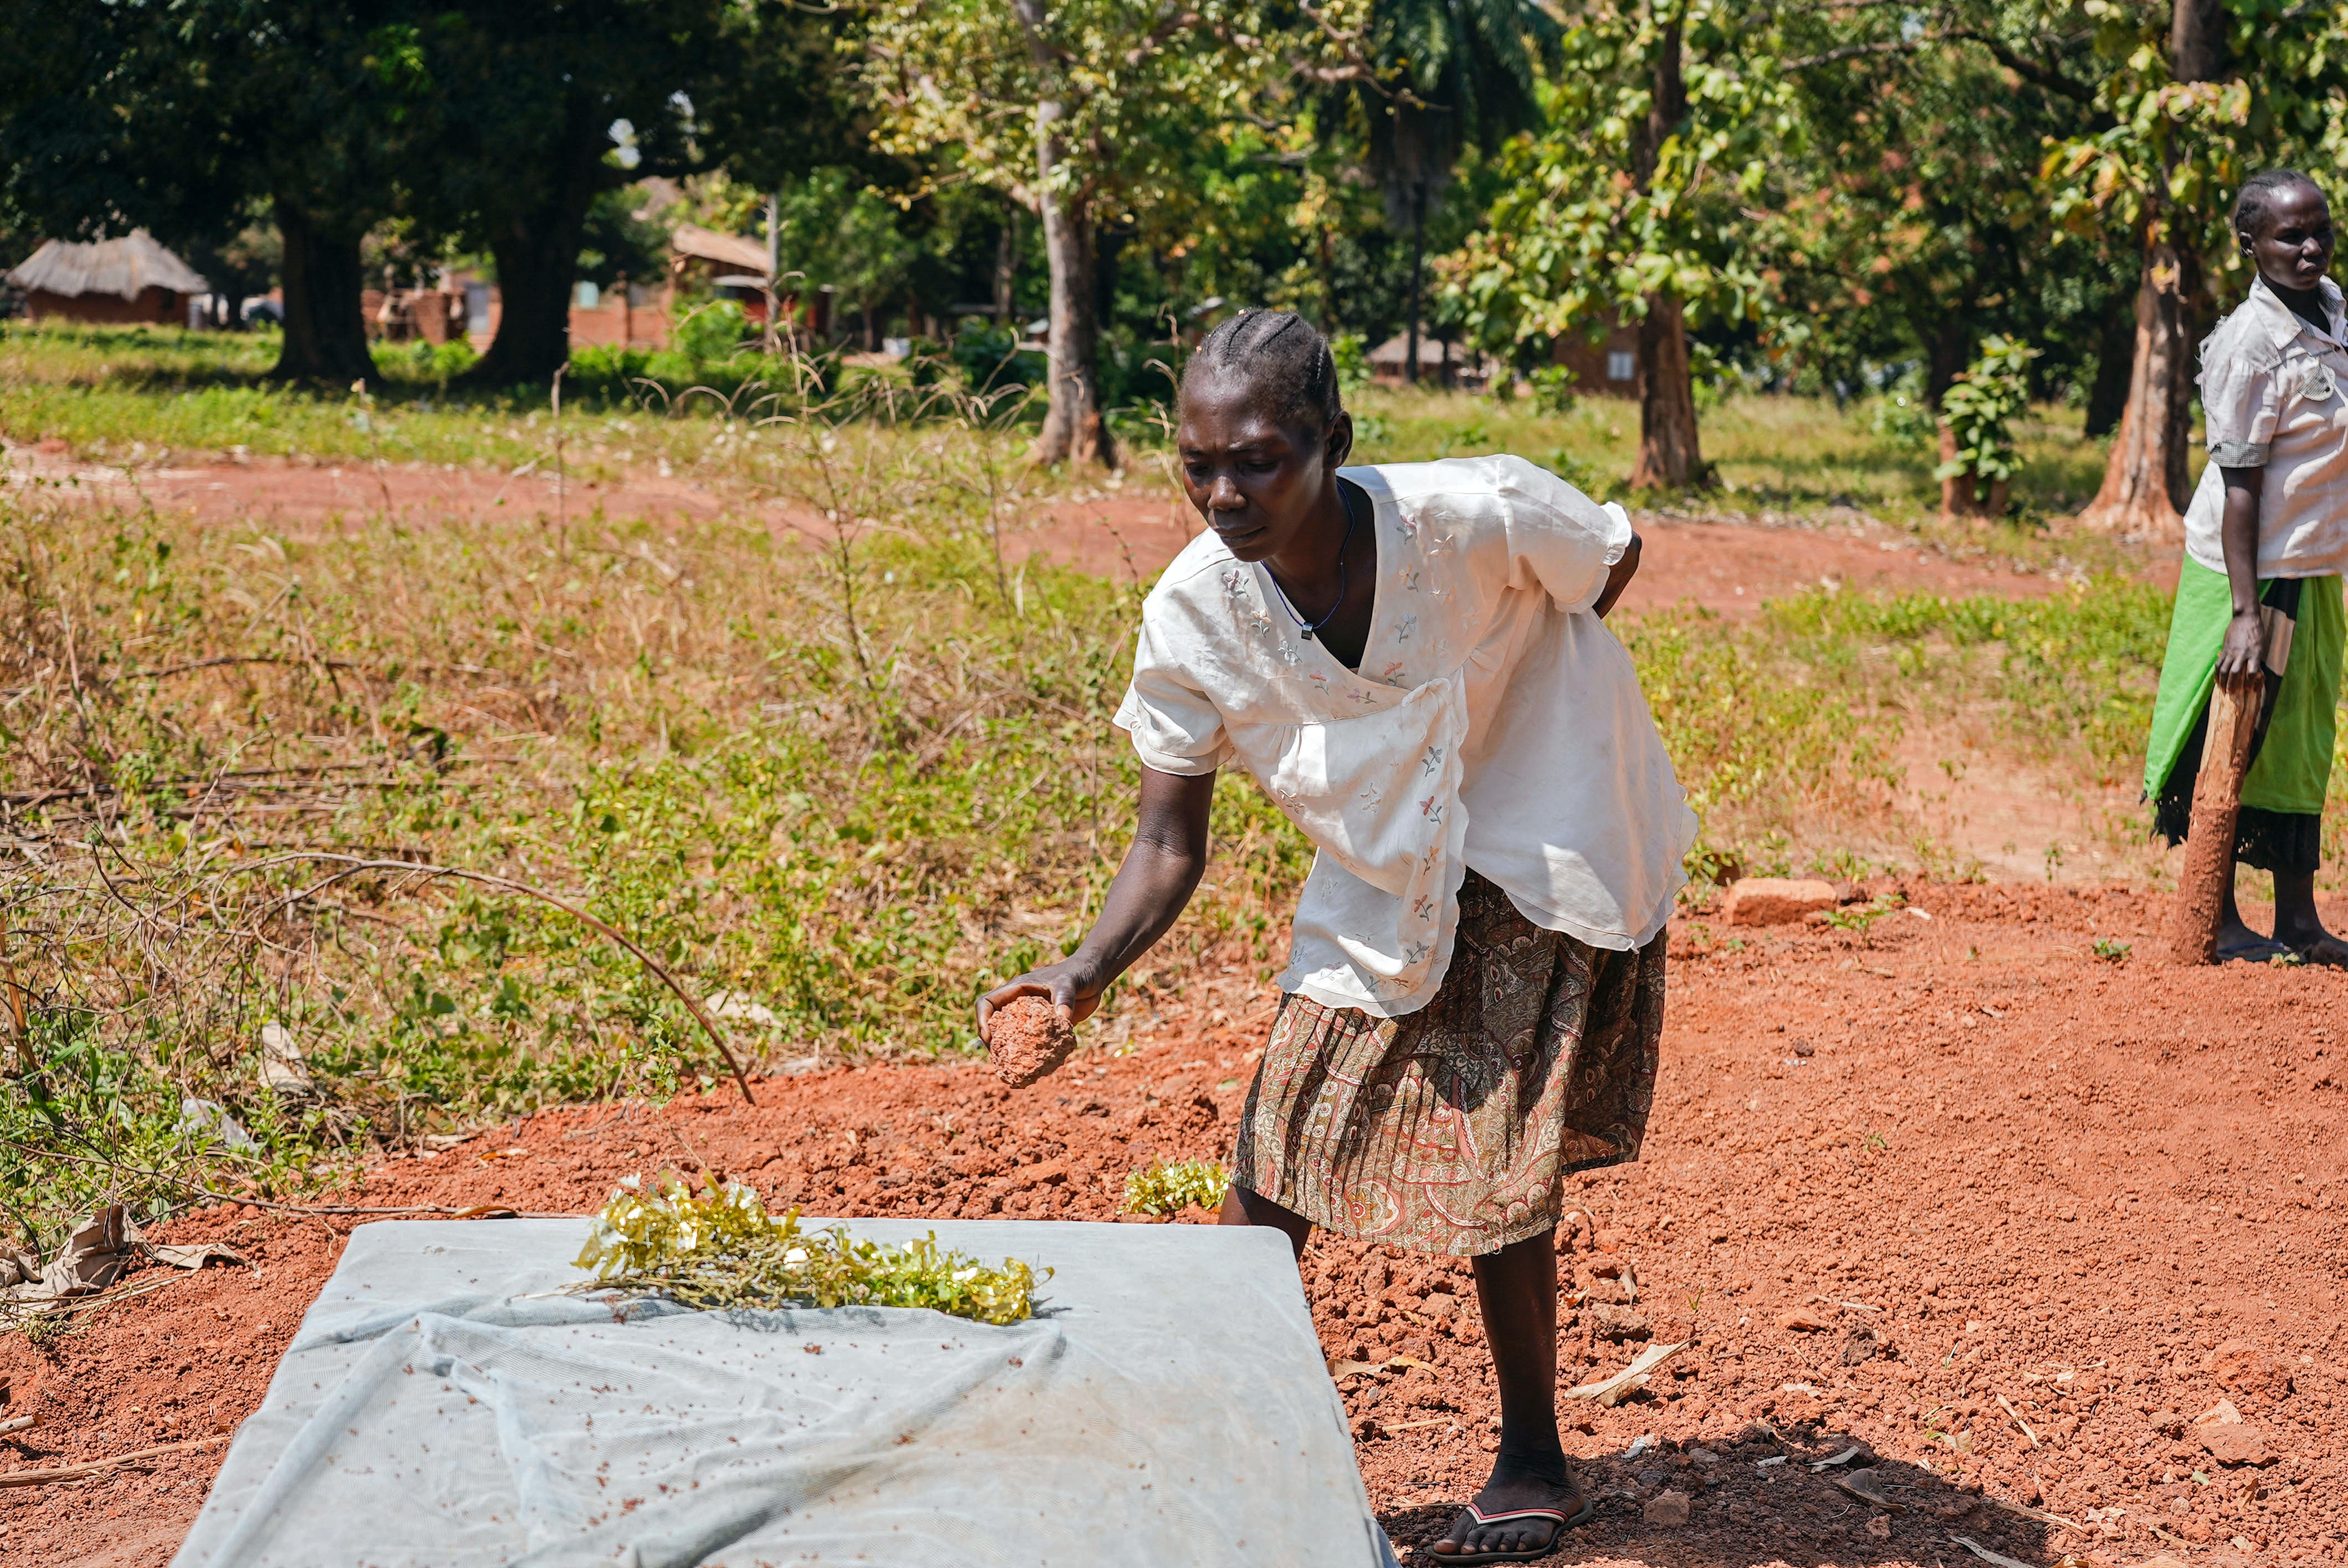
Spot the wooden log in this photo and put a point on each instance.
(2216, 807)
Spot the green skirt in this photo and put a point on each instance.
(2282, 795)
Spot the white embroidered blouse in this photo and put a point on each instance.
(2275, 391)
(1495, 724)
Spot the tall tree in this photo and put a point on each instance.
(175, 115)
(524, 101)
(1448, 74)
(1084, 112)
(1910, 229)
(1663, 120)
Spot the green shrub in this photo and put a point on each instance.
(710, 332)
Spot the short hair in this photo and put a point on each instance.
(1283, 357)
(2254, 203)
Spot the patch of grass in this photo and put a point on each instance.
(2072, 671)
(142, 396)
(1771, 453)
(1170, 1186)
(718, 1249)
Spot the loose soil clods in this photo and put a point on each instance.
(1028, 1039)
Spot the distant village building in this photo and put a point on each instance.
(1390, 361)
(733, 265)
(1607, 368)
(112, 282)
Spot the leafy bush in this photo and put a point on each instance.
(1553, 389)
(990, 356)
(1902, 419)
(1980, 408)
(710, 332)
(1352, 353)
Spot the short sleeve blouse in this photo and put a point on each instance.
(1493, 723)
(2274, 391)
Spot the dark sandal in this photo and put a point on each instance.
(2257, 950)
(1521, 1555)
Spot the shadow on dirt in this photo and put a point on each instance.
(1799, 1496)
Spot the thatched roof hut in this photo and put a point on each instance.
(133, 279)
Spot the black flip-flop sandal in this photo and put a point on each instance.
(2258, 951)
(1525, 1554)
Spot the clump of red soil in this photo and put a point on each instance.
(1027, 1039)
(1909, 1190)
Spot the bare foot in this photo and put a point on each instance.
(1514, 1485)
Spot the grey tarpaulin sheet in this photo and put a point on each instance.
(434, 1411)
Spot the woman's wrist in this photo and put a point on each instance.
(1086, 972)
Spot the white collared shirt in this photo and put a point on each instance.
(2272, 389)
(1495, 724)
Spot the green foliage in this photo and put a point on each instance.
(709, 331)
(2075, 668)
(1170, 1186)
(1553, 389)
(1136, 91)
(1747, 743)
(1351, 351)
(1575, 237)
(989, 356)
(1901, 417)
(1980, 406)
(720, 1250)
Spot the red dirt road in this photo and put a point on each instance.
(2107, 1196)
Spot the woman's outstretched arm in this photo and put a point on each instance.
(1161, 870)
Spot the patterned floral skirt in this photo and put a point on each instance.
(1450, 1130)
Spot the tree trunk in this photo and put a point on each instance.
(1006, 263)
(2145, 484)
(1948, 349)
(536, 250)
(1417, 258)
(325, 330)
(2108, 394)
(1073, 429)
(1669, 455)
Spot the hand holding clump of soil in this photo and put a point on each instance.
(1027, 1037)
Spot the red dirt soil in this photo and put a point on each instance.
(2038, 1178)
(1128, 533)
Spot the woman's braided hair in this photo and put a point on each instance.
(1283, 357)
(2254, 202)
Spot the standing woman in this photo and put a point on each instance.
(1409, 660)
(2266, 538)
